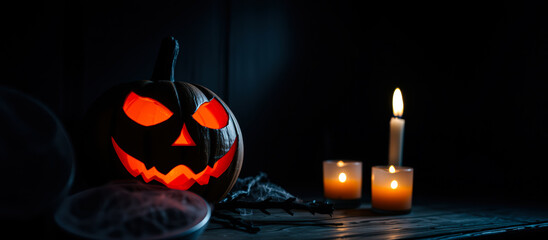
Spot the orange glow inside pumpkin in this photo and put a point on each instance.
(211, 115)
(180, 177)
(145, 111)
(184, 138)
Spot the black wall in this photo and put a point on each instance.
(310, 81)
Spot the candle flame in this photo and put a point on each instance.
(394, 184)
(340, 164)
(392, 169)
(342, 177)
(397, 103)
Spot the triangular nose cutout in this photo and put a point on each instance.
(184, 138)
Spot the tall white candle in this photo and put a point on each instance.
(397, 124)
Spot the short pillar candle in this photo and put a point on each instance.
(391, 188)
(342, 181)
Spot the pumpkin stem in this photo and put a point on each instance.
(165, 63)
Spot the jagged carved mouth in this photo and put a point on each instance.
(180, 177)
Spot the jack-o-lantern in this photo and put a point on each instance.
(177, 134)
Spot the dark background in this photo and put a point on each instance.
(310, 81)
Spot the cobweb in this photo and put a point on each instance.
(256, 189)
(132, 210)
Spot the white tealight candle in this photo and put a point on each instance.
(342, 180)
(391, 188)
(397, 125)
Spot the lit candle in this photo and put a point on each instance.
(342, 180)
(397, 124)
(391, 188)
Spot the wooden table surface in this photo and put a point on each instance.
(433, 221)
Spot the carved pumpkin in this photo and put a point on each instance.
(177, 134)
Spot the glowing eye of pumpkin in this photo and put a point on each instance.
(211, 114)
(145, 111)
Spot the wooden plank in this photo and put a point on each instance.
(439, 222)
